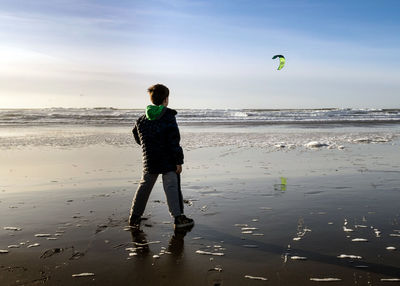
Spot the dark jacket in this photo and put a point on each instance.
(159, 139)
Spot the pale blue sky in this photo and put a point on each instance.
(211, 54)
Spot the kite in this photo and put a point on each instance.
(281, 61)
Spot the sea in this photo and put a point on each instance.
(276, 129)
(113, 116)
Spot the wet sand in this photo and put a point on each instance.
(63, 211)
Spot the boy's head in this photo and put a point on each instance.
(158, 93)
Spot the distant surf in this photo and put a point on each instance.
(112, 116)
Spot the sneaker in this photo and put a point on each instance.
(134, 221)
(182, 221)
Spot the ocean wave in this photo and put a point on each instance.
(113, 116)
(192, 138)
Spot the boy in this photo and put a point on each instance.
(158, 134)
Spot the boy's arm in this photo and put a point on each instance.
(136, 134)
(178, 169)
(174, 139)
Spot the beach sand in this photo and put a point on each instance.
(63, 211)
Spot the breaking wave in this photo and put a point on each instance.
(112, 116)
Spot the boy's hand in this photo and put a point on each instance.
(178, 169)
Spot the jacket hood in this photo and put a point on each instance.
(154, 112)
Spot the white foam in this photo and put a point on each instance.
(43, 235)
(362, 140)
(345, 229)
(255, 277)
(147, 243)
(301, 234)
(391, 248)
(33, 245)
(249, 228)
(3, 251)
(280, 145)
(84, 274)
(298, 258)
(373, 139)
(316, 144)
(14, 246)
(209, 253)
(14, 228)
(325, 279)
(359, 240)
(349, 256)
(285, 257)
(390, 279)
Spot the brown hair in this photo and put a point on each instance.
(158, 93)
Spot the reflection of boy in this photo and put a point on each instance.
(158, 134)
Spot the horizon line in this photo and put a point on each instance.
(285, 108)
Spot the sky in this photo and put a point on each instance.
(211, 54)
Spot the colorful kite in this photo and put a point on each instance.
(281, 61)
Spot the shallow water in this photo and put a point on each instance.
(269, 137)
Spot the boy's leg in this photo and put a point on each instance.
(173, 193)
(180, 192)
(142, 195)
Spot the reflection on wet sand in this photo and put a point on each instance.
(142, 245)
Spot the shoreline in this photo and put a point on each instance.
(271, 138)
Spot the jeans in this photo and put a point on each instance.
(172, 189)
